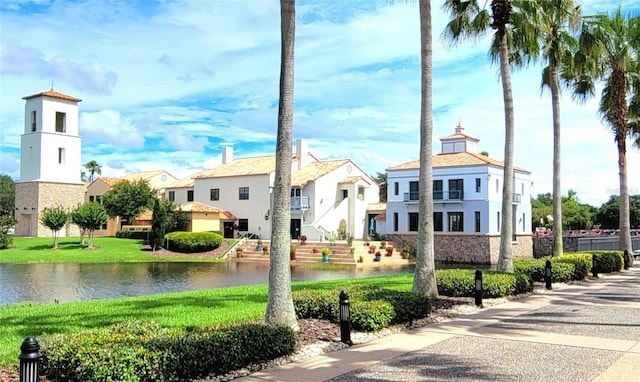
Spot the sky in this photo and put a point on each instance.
(166, 84)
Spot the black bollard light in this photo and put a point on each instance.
(626, 259)
(30, 360)
(345, 318)
(547, 274)
(594, 266)
(478, 287)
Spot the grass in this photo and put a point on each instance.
(172, 310)
(107, 250)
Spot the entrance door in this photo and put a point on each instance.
(296, 224)
(372, 226)
(227, 230)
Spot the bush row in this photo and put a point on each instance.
(143, 351)
(138, 235)
(190, 242)
(461, 283)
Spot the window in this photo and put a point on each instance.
(497, 186)
(413, 221)
(477, 221)
(437, 190)
(345, 194)
(414, 191)
(455, 221)
(395, 222)
(98, 199)
(456, 189)
(396, 188)
(295, 192)
(91, 198)
(60, 155)
(478, 185)
(524, 224)
(61, 122)
(437, 221)
(243, 225)
(190, 196)
(243, 193)
(498, 221)
(33, 120)
(215, 194)
(172, 196)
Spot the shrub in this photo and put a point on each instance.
(189, 242)
(607, 261)
(562, 270)
(137, 235)
(315, 304)
(407, 306)
(461, 282)
(6, 222)
(581, 261)
(371, 316)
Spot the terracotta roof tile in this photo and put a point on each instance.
(186, 182)
(141, 175)
(201, 207)
(377, 207)
(315, 171)
(460, 159)
(381, 216)
(54, 94)
(109, 181)
(242, 166)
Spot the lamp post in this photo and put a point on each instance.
(345, 318)
(547, 274)
(626, 259)
(29, 360)
(478, 287)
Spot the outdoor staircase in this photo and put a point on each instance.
(340, 253)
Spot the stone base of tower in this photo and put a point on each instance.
(33, 197)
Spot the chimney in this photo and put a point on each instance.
(302, 153)
(227, 155)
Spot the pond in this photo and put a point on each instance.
(48, 283)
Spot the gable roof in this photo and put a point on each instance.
(263, 165)
(54, 94)
(314, 171)
(186, 182)
(142, 175)
(201, 207)
(459, 159)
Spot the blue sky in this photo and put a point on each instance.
(167, 84)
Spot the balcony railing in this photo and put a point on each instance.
(299, 203)
(438, 196)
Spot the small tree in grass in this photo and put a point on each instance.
(6, 222)
(89, 217)
(158, 224)
(54, 219)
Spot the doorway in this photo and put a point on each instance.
(296, 224)
(227, 230)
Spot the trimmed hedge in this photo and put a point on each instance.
(142, 351)
(137, 235)
(562, 270)
(190, 242)
(607, 261)
(461, 282)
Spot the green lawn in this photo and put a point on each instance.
(171, 310)
(107, 250)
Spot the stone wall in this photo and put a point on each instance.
(473, 249)
(33, 197)
(543, 246)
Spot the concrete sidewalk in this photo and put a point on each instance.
(588, 331)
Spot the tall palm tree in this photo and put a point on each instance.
(280, 308)
(424, 279)
(469, 20)
(93, 168)
(609, 50)
(554, 25)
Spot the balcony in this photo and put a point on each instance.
(299, 203)
(438, 196)
(517, 198)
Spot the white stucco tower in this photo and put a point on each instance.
(50, 163)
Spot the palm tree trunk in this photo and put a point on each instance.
(557, 192)
(424, 280)
(280, 308)
(625, 215)
(505, 261)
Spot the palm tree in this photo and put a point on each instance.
(609, 49)
(280, 308)
(469, 20)
(93, 168)
(424, 279)
(555, 23)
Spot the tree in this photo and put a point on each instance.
(54, 218)
(6, 222)
(7, 195)
(280, 308)
(609, 50)
(177, 220)
(89, 217)
(469, 20)
(93, 168)
(608, 214)
(424, 278)
(158, 224)
(576, 215)
(556, 23)
(541, 207)
(381, 178)
(128, 199)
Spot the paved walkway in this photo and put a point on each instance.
(580, 332)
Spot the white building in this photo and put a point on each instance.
(50, 163)
(327, 197)
(467, 192)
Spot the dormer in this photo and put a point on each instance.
(459, 142)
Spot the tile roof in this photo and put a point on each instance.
(186, 182)
(54, 94)
(141, 175)
(201, 207)
(315, 171)
(242, 166)
(460, 159)
(377, 206)
(108, 181)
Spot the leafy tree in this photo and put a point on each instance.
(89, 217)
(541, 207)
(381, 178)
(280, 308)
(6, 222)
(7, 195)
(424, 278)
(177, 220)
(54, 218)
(93, 168)
(128, 199)
(576, 215)
(608, 215)
(158, 224)
(609, 54)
